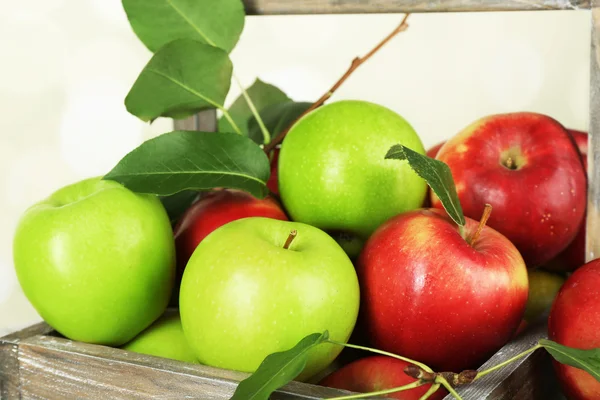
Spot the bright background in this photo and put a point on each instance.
(66, 66)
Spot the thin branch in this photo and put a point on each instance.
(353, 66)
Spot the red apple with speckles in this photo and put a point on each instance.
(528, 168)
(214, 210)
(376, 373)
(430, 295)
(573, 322)
(573, 256)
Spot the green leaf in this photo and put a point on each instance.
(587, 360)
(262, 95)
(158, 22)
(177, 203)
(182, 78)
(192, 160)
(276, 117)
(278, 369)
(438, 177)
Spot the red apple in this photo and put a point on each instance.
(432, 152)
(430, 295)
(272, 183)
(376, 373)
(573, 256)
(526, 166)
(574, 321)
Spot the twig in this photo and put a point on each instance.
(353, 66)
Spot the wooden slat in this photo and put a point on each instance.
(56, 368)
(205, 121)
(41, 328)
(9, 371)
(277, 7)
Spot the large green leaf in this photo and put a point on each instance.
(262, 95)
(278, 369)
(192, 160)
(182, 78)
(276, 117)
(438, 177)
(215, 22)
(587, 360)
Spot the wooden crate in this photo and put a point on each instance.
(37, 363)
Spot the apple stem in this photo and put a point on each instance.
(353, 66)
(290, 238)
(486, 214)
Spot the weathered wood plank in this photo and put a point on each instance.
(278, 7)
(205, 121)
(9, 371)
(56, 368)
(41, 328)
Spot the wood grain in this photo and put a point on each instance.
(278, 7)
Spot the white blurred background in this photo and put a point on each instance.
(66, 66)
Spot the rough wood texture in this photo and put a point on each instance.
(276, 7)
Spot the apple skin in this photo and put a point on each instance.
(573, 256)
(574, 320)
(243, 296)
(164, 338)
(333, 173)
(538, 206)
(272, 183)
(96, 261)
(432, 152)
(430, 296)
(376, 373)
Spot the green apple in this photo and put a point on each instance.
(164, 338)
(96, 260)
(244, 295)
(333, 173)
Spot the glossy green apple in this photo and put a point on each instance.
(164, 338)
(96, 261)
(333, 173)
(244, 296)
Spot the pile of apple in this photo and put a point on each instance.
(348, 241)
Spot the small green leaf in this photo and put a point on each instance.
(276, 117)
(192, 160)
(182, 78)
(262, 95)
(438, 177)
(587, 360)
(278, 369)
(158, 22)
(177, 203)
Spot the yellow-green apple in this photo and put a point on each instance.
(96, 260)
(528, 168)
(573, 322)
(213, 210)
(248, 291)
(573, 256)
(164, 338)
(543, 287)
(431, 295)
(375, 373)
(333, 173)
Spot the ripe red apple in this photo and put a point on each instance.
(376, 373)
(573, 256)
(527, 167)
(272, 183)
(430, 295)
(432, 152)
(574, 321)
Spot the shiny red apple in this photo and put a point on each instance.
(573, 256)
(574, 321)
(432, 152)
(527, 167)
(376, 373)
(430, 295)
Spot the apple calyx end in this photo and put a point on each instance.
(512, 159)
(290, 238)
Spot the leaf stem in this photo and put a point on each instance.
(353, 66)
(385, 353)
(261, 124)
(441, 380)
(231, 121)
(430, 392)
(380, 392)
(502, 364)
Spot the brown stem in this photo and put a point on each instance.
(486, 214)
(290, 239)
(419, 373)
(353, 66)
